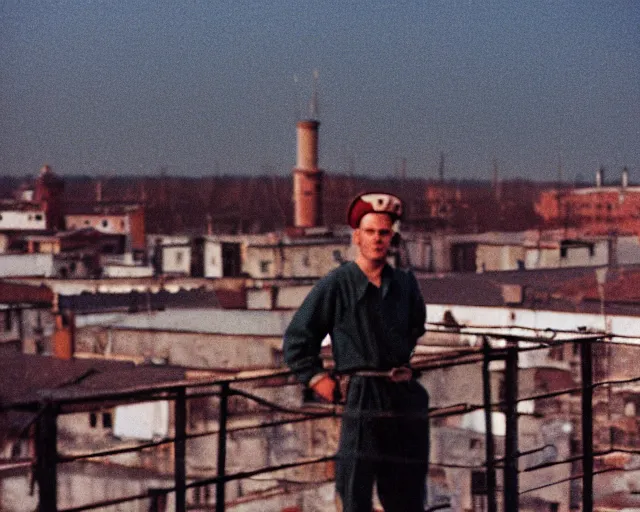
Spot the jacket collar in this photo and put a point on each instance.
(362, 281)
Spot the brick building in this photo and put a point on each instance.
(597, 210)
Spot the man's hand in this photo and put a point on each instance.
(323, 386)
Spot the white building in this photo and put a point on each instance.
(32, 219)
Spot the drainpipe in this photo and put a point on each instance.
(64, 335)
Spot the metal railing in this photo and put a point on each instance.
(497, 344)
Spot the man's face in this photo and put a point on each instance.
(373, 237)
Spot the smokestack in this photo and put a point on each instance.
(625, 177)
(600, 177)
(307, 178)
(64, 335)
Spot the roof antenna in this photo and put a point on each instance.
(313, 104)
(298, 105)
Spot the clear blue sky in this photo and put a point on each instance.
(215, 87)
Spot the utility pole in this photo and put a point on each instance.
(441, 167)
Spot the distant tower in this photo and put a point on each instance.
(48, 192)
(307, 178)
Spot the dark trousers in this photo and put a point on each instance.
(401, 487)
(384, 440)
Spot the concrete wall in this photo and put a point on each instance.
(22, 220)
(81, 483)
(260, 262)
(104, 223)
(189, 349)
(176, 259)
(282, 297)
(213, 259)
(579, 256)
(419, 251)
(285, 261)
(20, 265)
(126, 271)
(536, 433)
(628, 250)
(498, 257)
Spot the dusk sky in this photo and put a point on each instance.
(214, 87)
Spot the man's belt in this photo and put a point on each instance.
(399, 374)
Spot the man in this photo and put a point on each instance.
(374, 314)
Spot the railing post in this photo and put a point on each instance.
(222, 446)
(586, 370)
(511, 497)
(47, 458)
(180, 471)
(489, 446)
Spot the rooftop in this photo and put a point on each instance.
(566, 289)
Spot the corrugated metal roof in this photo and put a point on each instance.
(127, 284)
(140, 301)
(25, 378)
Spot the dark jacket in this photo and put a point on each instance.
(370, 328)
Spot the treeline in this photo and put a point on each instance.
(258, 204)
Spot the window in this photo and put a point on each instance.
(576, 349)
(38, 216)
(20, 449)
(264, 266)
(179, 257)
(630, 409)
(8, 320)
(201, 495)
(479, 491)
(105, 223)
(557, 353)
(105, 417)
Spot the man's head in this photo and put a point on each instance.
(373, 236)
(373, 216)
